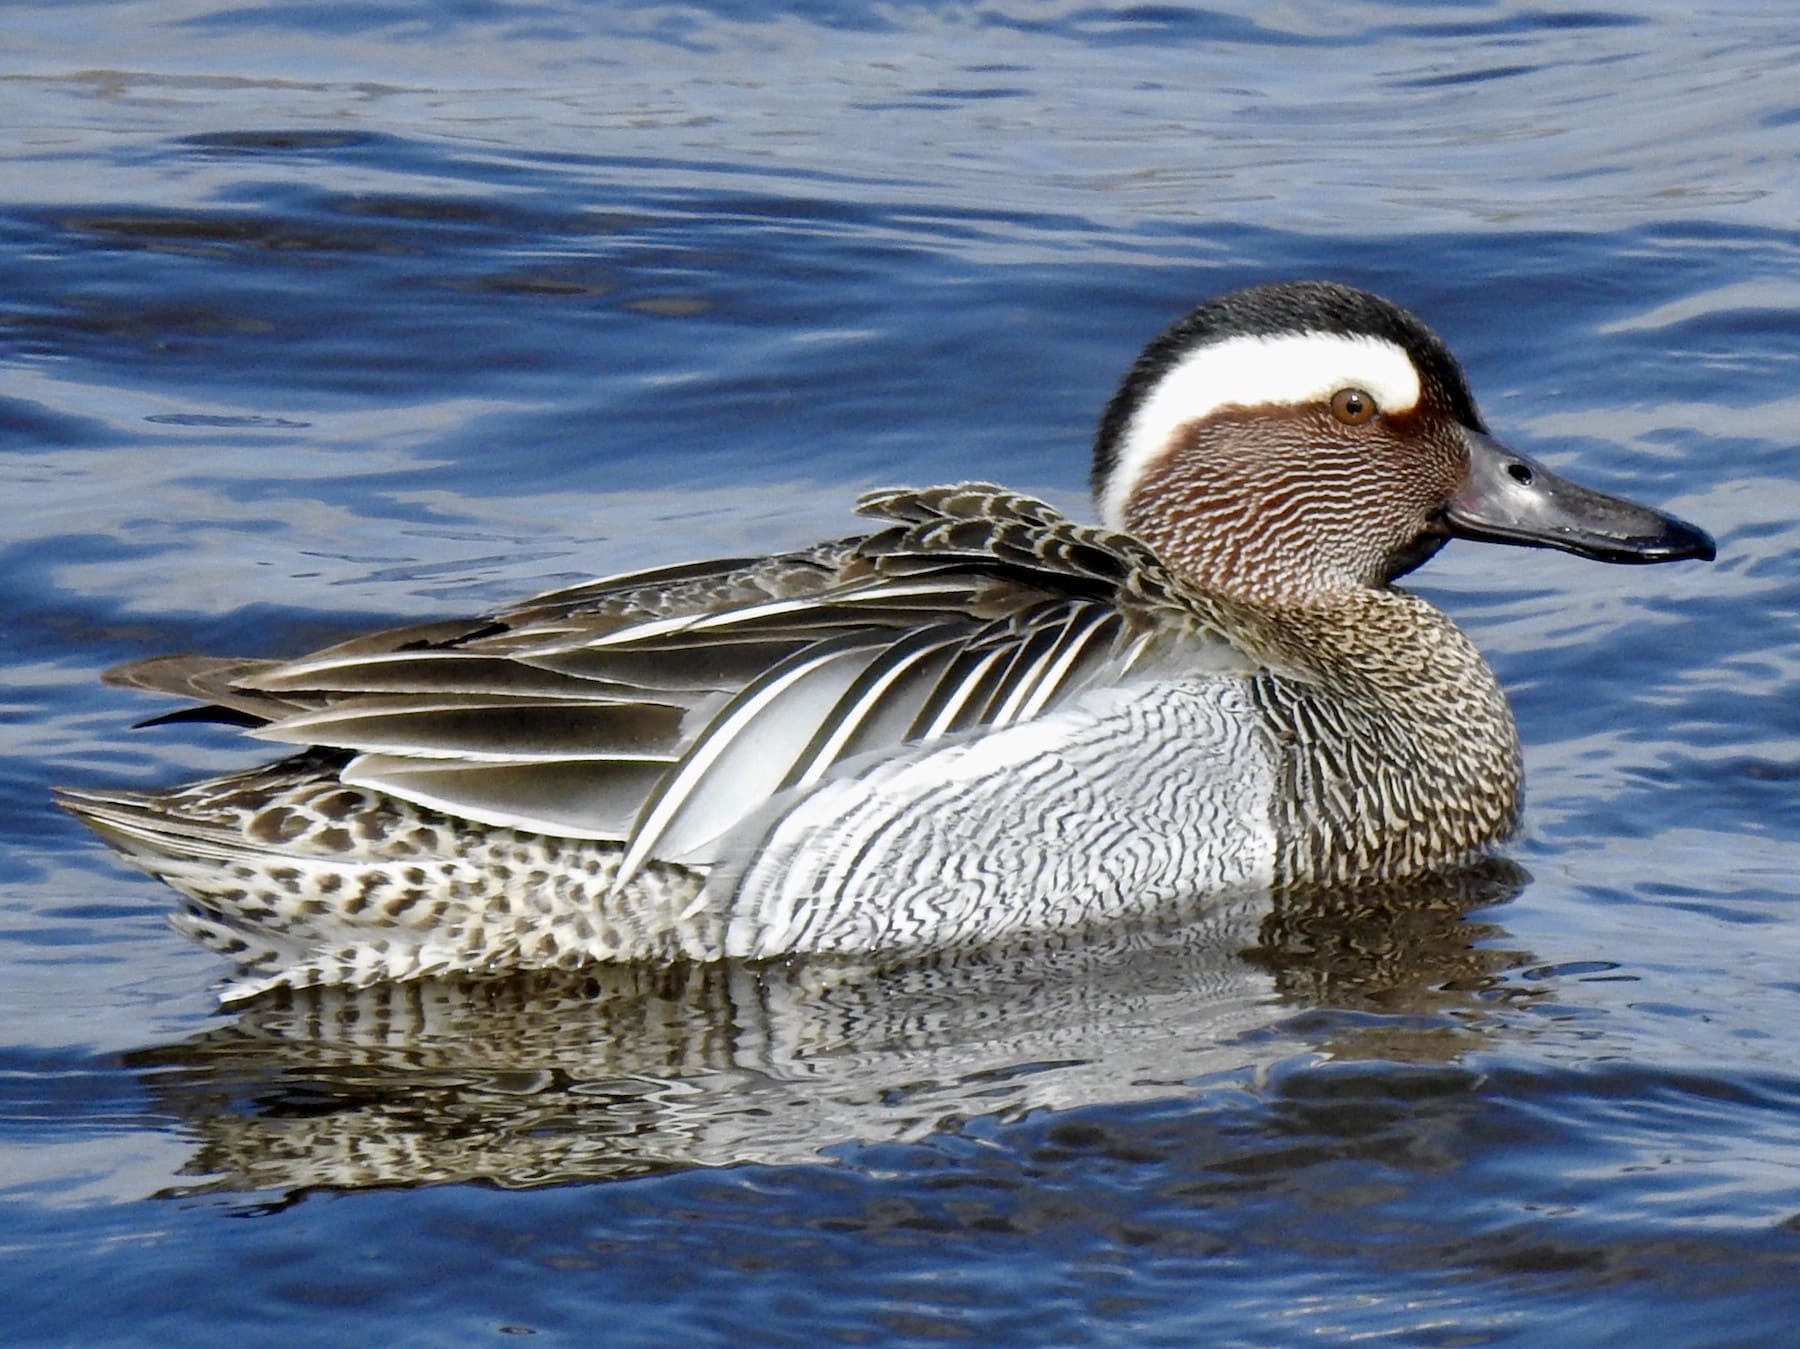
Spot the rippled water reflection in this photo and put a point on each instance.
(616, 1072)
(316, 316)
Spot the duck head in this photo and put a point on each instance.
(1288, 442)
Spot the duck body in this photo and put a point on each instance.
(981, 719)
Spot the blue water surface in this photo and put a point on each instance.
(314, 316)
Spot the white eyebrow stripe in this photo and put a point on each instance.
(1287, 370)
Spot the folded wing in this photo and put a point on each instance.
(661, 708)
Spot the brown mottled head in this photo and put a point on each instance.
(1290, 441)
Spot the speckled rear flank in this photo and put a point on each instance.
(300, 880)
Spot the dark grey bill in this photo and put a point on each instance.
(1510, 498)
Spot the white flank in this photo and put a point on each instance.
(1291, 370)
(1105, 806)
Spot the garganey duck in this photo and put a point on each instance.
(982, 719)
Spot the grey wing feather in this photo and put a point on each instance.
(487, 727)
(214, 681)
(571, 798)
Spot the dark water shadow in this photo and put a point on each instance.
(618, 1072)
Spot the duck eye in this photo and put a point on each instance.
(1352, 407)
